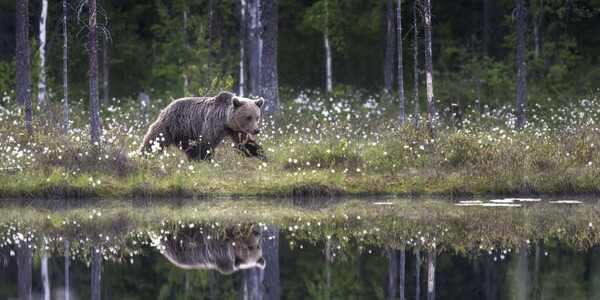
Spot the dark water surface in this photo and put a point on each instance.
(156, 255)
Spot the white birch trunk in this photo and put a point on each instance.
(431, 273)
(65, 79)
(242, 45)
(45, 278)
(42, 50)
(400, 66)
(255, 50)
(431, 122)
(416, 65)
(328, 80)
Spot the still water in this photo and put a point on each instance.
(108, 253)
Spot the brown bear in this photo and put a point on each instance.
(198, 124)
(195, 248)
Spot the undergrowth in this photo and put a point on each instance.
(316, 146)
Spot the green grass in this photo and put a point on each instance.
(317, 146)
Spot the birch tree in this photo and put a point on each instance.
(255, 44)
(416, 5)
(23, 93)
(42, 52)
(96, 272)
(328, 76)
(93, 55)
(269, 86)
(242, 39)
(431, 273)
(388, 64)
(431, 121)
(400, 66)
(65, 70)
(521, 67)
(23, 253)
(45, 276)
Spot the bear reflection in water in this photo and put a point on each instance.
(227, 252)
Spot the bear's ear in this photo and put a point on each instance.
(236, 102)
(260, 102)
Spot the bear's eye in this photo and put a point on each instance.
(249, 118)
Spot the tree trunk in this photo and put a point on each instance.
(476, 77)
(328, 269)
(400, 66)
(388, 64)
(429, 69)
(42, 51)
(65, 78)
(416, 64)
(269, 86)
(328, 77)
(402, 272)
(255, 49)
(67, 279)
(45, 277)
(392, 264)
(210, 42)
(93, 53)
(96, 272)
(24, 272)
(521, 67)
(242, 46)
(251, 279)
(186, 80)
(23, 93)
(270, 248)
(418, 274)
(594, 267)
(431, 273)
(522, 284)
(105, 71)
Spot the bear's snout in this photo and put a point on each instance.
(256, 131)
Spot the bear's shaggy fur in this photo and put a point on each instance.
(199, 124)
(193, 248)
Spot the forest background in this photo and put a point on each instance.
(167, 48)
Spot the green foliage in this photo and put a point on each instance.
(7, 79)
(217, 86)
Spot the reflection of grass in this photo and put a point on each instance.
(322, 147)
(123, 225)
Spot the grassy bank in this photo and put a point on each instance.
(317, 146)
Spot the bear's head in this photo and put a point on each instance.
(247, 251)
(245, 115)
